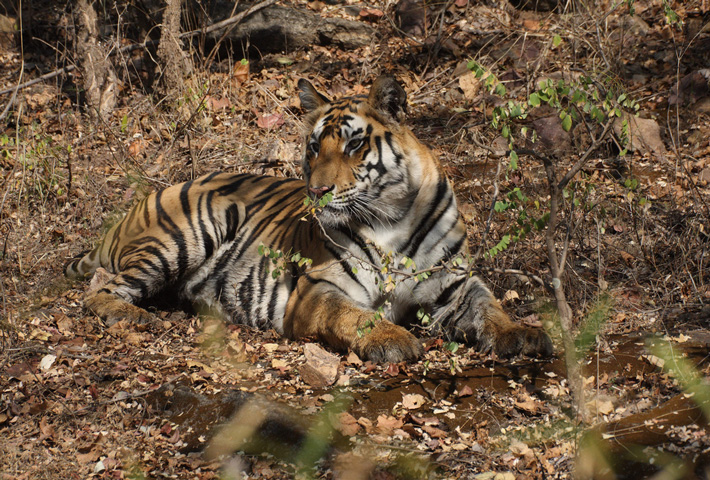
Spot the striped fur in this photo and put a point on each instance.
(201, 238)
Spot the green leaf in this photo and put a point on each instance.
(567, 123)
(500, 89)
(451, 346)
(513, 160)
(534, 99)
(556, 41)
(505, 131)
(354, 270)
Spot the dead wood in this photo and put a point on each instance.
(277, 28)
(99, 77)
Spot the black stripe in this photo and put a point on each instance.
(426, 222)
(445, 296)
(208, 178)
(316, 281)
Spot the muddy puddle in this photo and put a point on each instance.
(486, 393)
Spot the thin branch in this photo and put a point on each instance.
(583, 159)
(46, 76)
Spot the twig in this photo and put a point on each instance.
(46, 76)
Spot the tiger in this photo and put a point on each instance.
(374, 194)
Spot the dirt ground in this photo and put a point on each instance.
(177, 398)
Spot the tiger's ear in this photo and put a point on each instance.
(387, 96)
(311, 99)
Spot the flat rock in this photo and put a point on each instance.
(321, 367)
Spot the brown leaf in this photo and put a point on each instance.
(434, 432)
(371, 13)
(316, 5)
(392, 370)
(270, 121)
(412, 401)
(216, 104)
(240, 72)
(465, 391)
(47, 431)
(386, 425)
(419, 420)
(353, 359)
(528, 405)
(366, 423)
(347, 424)
(470, 85)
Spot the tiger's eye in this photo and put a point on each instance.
(353, 145)
(314, 147)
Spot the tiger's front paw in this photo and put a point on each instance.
(113, 309)
(533, 342)
(388, 342)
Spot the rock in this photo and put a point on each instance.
(279, 28)
(411, 17)
(691, 88)
(321, 367)
(644, 135)
(551, 136)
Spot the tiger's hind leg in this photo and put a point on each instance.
(117, 299)
(114, 309)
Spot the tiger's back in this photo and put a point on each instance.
(200, 239)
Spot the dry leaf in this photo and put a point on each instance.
(412, 401)
(47, 362)
(270, 121)
(386, 425)
(465, 391)
(470, 85)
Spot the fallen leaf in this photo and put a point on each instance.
(465, 391)
(240, 72)
(434, 432)
(270, 121)
(270, 347)
(510, 295)
(654, 360)
(47, 362)
(386, 425)
(316, 5)
(366, 423)
(528, 404)
(412, 401)
(353, 359)
(371, 13)
(216, 104)
(470, 85)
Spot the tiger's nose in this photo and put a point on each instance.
(318, 192)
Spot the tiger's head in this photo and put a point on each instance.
(358, 152)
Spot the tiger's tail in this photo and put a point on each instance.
(83, 265)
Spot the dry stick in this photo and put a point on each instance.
(216, 26)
